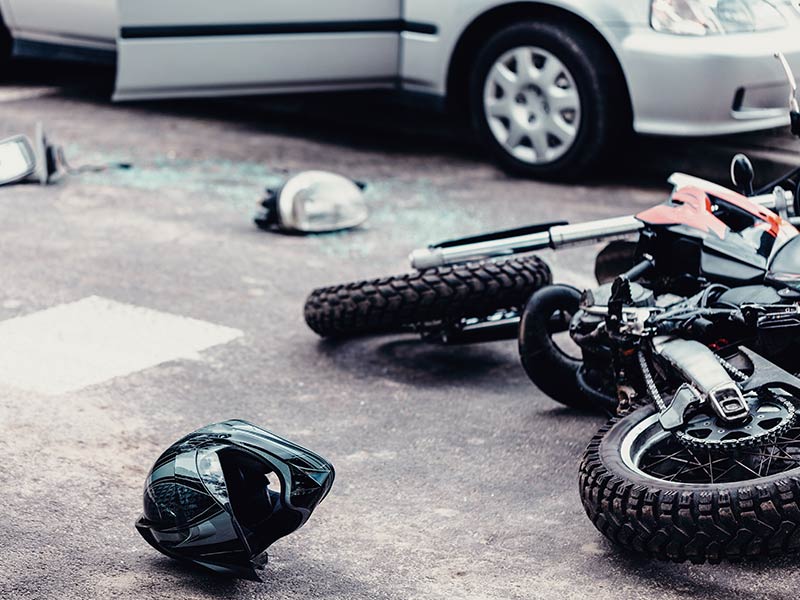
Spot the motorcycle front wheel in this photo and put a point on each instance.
(414, 300)
(648, 493)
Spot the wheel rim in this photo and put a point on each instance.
(651, 452)
(532, 105)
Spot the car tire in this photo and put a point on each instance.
(588, 72)
(6, 44)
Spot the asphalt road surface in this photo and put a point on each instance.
(456, 478)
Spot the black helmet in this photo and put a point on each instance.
(223, 494)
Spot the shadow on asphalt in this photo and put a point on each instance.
(679, 577)
(410, 361)
(275, 579)
(190, 576)
(376, 122)
(557, 412)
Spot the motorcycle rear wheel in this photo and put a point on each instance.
(636, 503)
(444, 294)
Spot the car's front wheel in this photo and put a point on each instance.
(546, 100)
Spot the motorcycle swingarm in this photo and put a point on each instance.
(767, 374)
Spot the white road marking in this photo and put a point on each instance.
(71, 346)
(16, 94)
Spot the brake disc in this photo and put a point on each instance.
(769, 415)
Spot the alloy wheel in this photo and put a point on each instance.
(532, 105)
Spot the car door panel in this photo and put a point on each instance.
(82, 22)
(425, 60)
(205, 47)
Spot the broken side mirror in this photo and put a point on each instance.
(743, 174)
(17, 159)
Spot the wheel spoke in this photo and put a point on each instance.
(699, 463)
(663, 458)
(538, 139)
(674, 475)
(721, 476)
(549, 72)
(710, 466)
(744, 466)
(563, 99)
(500, 107)
(524, 59)
(787, 455)
(504, 77)
(515, 135)
(769, 463)
(784, 456)
(669, 460)
(559, 128)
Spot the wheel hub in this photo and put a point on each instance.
(532, 105)
(768, 417)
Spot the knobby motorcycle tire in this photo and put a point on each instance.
(680, 521)
(448, 293)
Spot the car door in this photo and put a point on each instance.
(213, 48)
(88, 23)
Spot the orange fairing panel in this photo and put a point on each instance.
(689, 206)
(692, 206)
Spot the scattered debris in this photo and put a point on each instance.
(39, 161)
(313, 202)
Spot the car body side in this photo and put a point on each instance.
(676, 85)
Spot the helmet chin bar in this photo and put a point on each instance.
(222, 495)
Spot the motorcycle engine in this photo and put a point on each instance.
(588, 332)
(585, 323)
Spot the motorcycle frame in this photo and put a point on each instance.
(505, 324)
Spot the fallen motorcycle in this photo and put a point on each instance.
(691, 339)
(695, 346)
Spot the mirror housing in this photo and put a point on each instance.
(17, 159)
(743, 174)
(314, 202)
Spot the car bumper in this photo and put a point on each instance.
(681, 85)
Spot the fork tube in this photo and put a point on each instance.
(556, 237)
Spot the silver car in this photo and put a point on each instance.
(549, 86)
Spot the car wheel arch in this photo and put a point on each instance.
(6, 41)
(493, 20)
